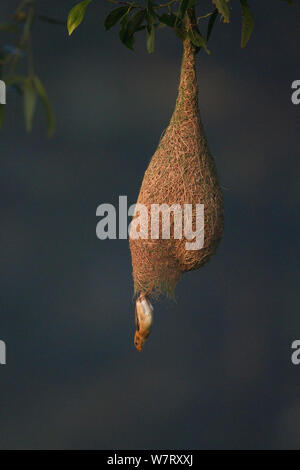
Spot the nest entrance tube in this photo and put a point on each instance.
(181, 171)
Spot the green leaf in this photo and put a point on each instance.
(180, 30)
(141, 28)
(223, 9)
(150, 39)
(127, 39)
(290, 2)
(114, 17)
(211, 23)
(183, 7)
(175, 22)
(76, 15)
(135, 21)
(29, 99)
(198, 40)
(247, 23)
(169, 20)
(47, 106)
(150, 9)
(2, 110)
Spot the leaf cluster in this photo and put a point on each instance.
(17, 64)
(150, 15)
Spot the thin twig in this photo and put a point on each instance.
(136, 5)
(204, 16)
(168, 4)
(129, 4)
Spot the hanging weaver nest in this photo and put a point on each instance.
(182, 171)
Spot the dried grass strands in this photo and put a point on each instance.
(182, 171)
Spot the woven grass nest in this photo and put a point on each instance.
(181, 171)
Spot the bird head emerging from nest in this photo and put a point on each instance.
(143, 321)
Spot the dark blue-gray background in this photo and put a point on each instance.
(216, 372)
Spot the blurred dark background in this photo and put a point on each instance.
(216, 372)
